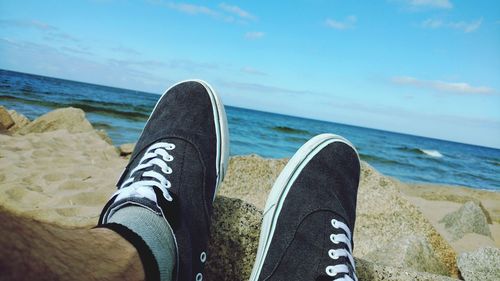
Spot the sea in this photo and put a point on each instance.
(122, 114)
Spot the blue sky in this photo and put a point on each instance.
(424, 67)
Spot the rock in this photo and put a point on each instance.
(458, 199)
(250, 178)
(384, 216)
(104, 136)
(410, 252)
(126, 149)
(375, 272)
(234, 239)
(19, 119)
(85, 168)
(468, 219)
(71, 119)
(483, 264)
(5, 119)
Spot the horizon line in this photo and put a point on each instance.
(260, 110)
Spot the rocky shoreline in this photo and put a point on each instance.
(58, 169)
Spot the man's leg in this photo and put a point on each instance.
(309, 215)
(163, 204)
(31, 250)
(156, 226)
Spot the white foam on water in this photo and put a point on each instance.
(432, 153)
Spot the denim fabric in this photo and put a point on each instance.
(184, 116)
(325, 189)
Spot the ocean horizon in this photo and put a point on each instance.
(122, 114)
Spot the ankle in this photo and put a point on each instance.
(151, 235)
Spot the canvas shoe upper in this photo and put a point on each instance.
(309, 216)
(176, 167)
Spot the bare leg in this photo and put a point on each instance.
(31, 250)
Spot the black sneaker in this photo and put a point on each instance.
(176, 167)
(309, 215)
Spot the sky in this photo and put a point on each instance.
(422, 67)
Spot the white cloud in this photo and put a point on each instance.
(27, 24)
(47, 60)
(224, 12)
(460, 25)
(186, 8)
(76, 51)
(79, 64)
(237, 11)
(51, 32)
(467, 26)
(432, 23)
(139, 63)
(441, 4)
(264, 89)
(125, 50)
(348, 23)
(191, 9)
(253, 35)
(253, 71)
(191, 65)
(442, 86)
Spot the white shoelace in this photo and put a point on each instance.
(334, 270)
(156, 155)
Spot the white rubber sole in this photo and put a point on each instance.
(221, 128)
(280, 190)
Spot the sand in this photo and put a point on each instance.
(436, 201)
(57, 176)
(65, 176)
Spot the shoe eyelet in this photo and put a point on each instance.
(171, 146)
(199, 277)
(332, 254)
(203, 257)
(332, 238)
(330, 271)
(334, 223)
(170, 158)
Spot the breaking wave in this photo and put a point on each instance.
(428, 152)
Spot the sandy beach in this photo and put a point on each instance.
(59, 170)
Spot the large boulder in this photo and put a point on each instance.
(5, 119)
(66, 176)
(19, 121)
(468, 219)
(384, 217)
(369, 271)
(250, 178)
(126, 149)
(409, 252)
(483, 264)
(234, 239)
(71, 119)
